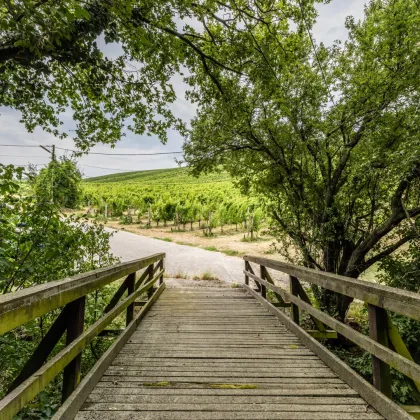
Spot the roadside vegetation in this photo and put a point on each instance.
(39, 244)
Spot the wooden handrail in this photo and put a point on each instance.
(396, 300)
(400, 363)
(379, 298)
(20, 307)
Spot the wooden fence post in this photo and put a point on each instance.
(131, 280)
(161, 266)
(263, 276)
(294, 290)
(149, 278)
(246, 269)
(75, 322)
(378, 331)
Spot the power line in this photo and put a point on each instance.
(97, 153)
(21, 156)
(17, 145)
(121, 154)
(110, 169)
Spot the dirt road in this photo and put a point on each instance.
(181, 260)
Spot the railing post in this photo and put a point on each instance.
(246, 269)
(378, 331)
(294, 290)
(149, 278)
(263, 276)
(131, 280)
(161, 267)
(75, 322)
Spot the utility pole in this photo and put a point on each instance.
(52, 153)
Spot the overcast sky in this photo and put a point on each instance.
(330, 27)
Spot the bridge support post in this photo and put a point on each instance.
(131, 280)
(150, 270)
(247, 269)
(75, 323)
(294, 290)
(263, 271)
(378, 331)
(161, 266)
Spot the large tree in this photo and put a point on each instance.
(108, 63)
(328, 136)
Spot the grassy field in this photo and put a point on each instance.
(160, 177)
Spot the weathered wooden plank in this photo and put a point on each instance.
(193, 390)
(222, 415)
(397, 300)
(400, 363)
(282, 383)
(294, 290)
(223, 380)
(75, 324)
(44, 349)
(218, 399)
(213, 369)
(284, 408)
(378, 331)
(69, 409)
(24, 305)
(220, 367)
(16, 400)
(323, 372)
(287, 390)
(186, 361)
(380, 402)
(131, 280)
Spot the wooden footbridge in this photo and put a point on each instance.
(210, 353)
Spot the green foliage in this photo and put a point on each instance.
(163, 177)
(211, 248)
(38, 244)
(402, 270)
(175, 196)
(52, 61)
(335, 154)
(59, 182)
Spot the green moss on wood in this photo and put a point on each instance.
(233, 386)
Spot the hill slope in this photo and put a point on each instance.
(159, 177)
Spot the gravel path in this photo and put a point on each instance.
(181, 260)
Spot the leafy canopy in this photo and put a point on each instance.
(60, 182)
(53, 61)
(330, 140)
(39, 244)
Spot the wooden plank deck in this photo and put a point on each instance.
(217, 354)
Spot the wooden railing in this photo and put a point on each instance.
(25, 305)
(384, 343)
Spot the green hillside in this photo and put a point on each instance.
(159, 177)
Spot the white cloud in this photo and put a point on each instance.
(329, 27)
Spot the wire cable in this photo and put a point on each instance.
(16, 145)
(120, 154)
(95, 153)
(109, 169)
(22, 156)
